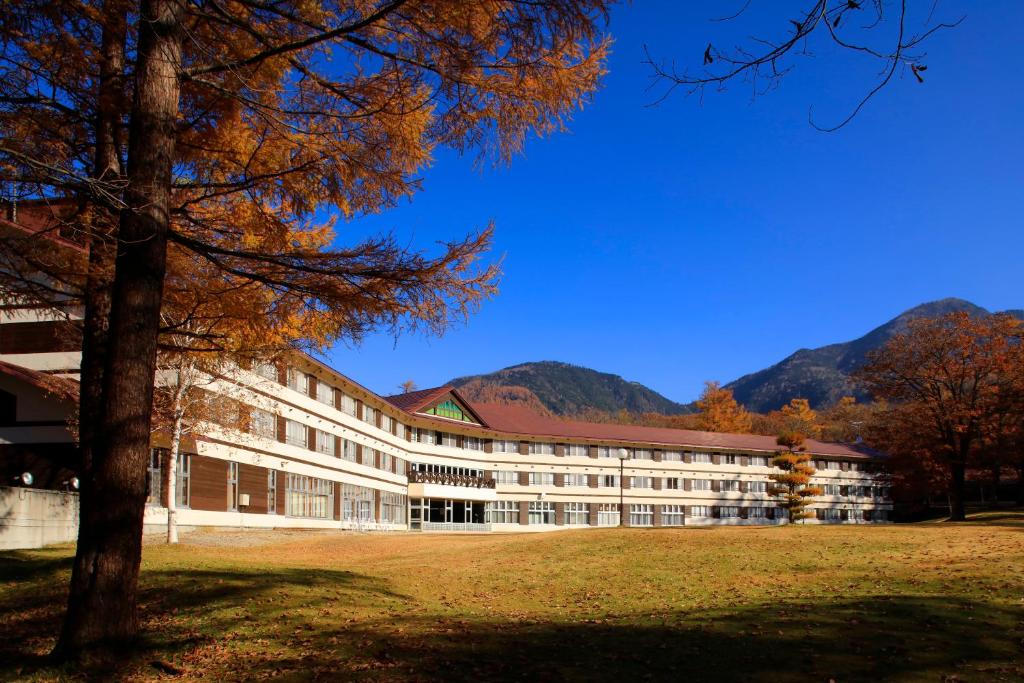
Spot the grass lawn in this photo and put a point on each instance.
(925, 602)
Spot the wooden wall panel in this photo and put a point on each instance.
(209, 483)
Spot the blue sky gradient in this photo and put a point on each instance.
(705, 239)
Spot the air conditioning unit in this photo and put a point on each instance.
(243, 500)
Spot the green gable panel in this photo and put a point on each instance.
(451, 410)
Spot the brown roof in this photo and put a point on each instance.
(520, 420)
(411, 401)
(60, 387)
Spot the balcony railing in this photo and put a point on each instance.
(450, 480)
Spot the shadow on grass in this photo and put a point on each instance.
(291, 624)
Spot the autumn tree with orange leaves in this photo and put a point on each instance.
(719, 411)
(950, 380)
(793, 482)
(231, 137)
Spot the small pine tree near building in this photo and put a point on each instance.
(792, 484)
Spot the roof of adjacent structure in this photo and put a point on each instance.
(59, 387)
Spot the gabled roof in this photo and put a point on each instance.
(59, 387)
(417, 401)
(523, 421)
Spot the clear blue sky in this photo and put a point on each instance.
(704, 240)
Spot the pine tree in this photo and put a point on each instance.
(793, 482)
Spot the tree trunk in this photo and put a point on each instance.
(104, 582)
(996, 472)
(171, 478)
(956, 492)
(1020, 485)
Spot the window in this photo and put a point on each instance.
(423, 436)
(506, 477)
(729, 460)
(730, 485)
(728, 512)
(642, 454)
(702, 457)
(757, 513)
(606, 481)
(154, 478)
(324, 393)
(324, 442)
(700, 511)
(576, 513)
(830, 489)
(298, 381)
(232, 486)
(575, 480)
(385, 461)
(308, 497)
(831, 465)
(537, 448)
(392, 508)
(386, 423)
(183, 482)
(505, 447)
(855, 467)
(449, 440)
(451, 410)
(541, 512)
(369, 415)
(542, 478)
(759, 461)
(263, 423)
(348, 450)
(271, 492)
(400, 466)
(701, 485)
(673, 483)
(266, 371)
(672, 515)
(757, 486)
(641, 515)
(472, 443)
(608, 514)
(348, 405)
(577, 450)
(640, 482)
(672, 456)
(356, 503)
(504, 512)
(295, 433)
(605, 452)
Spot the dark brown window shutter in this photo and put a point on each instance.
(593, 451)
(524, 478)
(560, 513)
(282, 374)
(282, 428)
(559, 479)
(657, 456)
(626, 483)
(656, 482)
(687, 484)
(716, 458)
(744, 460)
(311, 438)
(687, 457)
(715, 512)
(359, 453)
(524, 512)
(359, 410)
(819, 513)
(524, 448)
(716, 486)
(592, 481)
(488, 446)
(337, 447)
(560, 449)
(592, 509)
(744, 513)
(337, 399)
(311, 386)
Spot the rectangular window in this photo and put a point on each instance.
(673, 483)
(232, 486)
(605, 452)
(730, 485)
(576, 513)
(729, 460)
(575, 480)
(504, 512)
(700, 511)
(472, 443)
(298, 381)
(640, 482)
(577, 450)
(505, 447)
(537, 448)
(424, 436)
(759, 461)
(271, 492)
(608, 514)
(387, 424)
(641, 515)
(369, 415)
(728, 512)
(830, 489)
(183, 481)
(757, 513)
(607, 481)
(701, 485)
(831, 465)
(701, 457)
(449, 440)
(672, 456)
(309, 497)
(757, 486)
(542, 478)
(348, 405)
(263, 423)
(672, 515)
(154, 476)
(348, 450)
(643, 454)
(506, 477)
(324, 393)
(541, 512)
(356, 503)
(324, 442)
(295, 433)
(266, 371)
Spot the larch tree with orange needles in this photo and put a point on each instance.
(793, 484)
(237, 132)
(950, 377)
(719, 411)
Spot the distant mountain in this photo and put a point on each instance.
(822, 375)
(566, 389)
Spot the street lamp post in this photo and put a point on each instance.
(623, 457)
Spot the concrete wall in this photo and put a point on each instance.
(32, 518)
